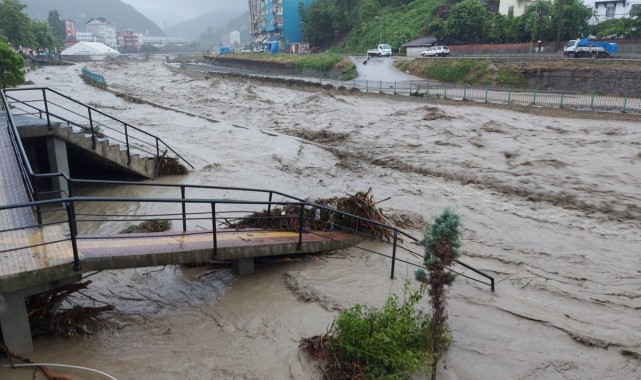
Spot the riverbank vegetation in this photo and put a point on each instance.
(323, 63)
(471, 72)
(389, 343)
(399, 340)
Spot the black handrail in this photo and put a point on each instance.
(157, 141)
(182, 200)
(23, 161)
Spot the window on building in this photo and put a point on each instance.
(510, 11)
(609, 10)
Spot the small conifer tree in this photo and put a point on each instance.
(442, 247)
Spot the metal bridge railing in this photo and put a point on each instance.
(200, 209)
(53, 106)
(430, 89)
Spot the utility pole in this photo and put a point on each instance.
(166, 33)
(381, 29)
(558, 26)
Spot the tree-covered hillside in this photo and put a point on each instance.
(356, 25)
(124, 16)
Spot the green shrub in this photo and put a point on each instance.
(390, 343)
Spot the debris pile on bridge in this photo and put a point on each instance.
(49, 316)
(287, 217)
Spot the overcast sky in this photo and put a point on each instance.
(177, 11)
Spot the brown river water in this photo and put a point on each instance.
(551, 209)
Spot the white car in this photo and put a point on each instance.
(436, 51)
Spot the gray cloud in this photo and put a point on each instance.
(176, 11)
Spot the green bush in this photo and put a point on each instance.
(320, 62)
(390, 343)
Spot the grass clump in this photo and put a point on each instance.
(390, 343)
(465, 71)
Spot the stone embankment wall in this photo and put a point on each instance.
(271, 67)
(627, 46)
(589, 79)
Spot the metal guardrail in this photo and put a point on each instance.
(209, 206)
(430, 89)
(94, 78)
(45, 103)
(26, 172)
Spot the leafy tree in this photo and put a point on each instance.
(466, 21)
(538, 20)
(442, 246)
(149, 48)
(617, 26)
(43, 35)
(574, 20)
(635, 24)
(437, 28)
(57, 27)
(16, 26)
(319, 23)
(11, 64)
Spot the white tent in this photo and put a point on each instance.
(88, 51)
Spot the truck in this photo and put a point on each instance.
(586, 48)
(383, 50)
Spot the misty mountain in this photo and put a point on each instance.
(211, 38)
(192, 29)
(122, 15)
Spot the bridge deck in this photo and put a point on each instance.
(12, 189)
(50, 255)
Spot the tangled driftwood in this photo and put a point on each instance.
(361, 204)
(47, 316)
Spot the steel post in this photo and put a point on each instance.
(300, 226)
(394, 253)
(214, 228)
(93, 135)
(184, 207)
(73, 231)
(44, 98)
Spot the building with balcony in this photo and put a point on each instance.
(274, 24)
(129, 41)
(86, 37)
(70, 32)
(514, 7)
(606, 10)
(603, 9)
(104, 30)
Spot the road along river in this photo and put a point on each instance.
(550, 207)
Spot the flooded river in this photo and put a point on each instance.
(551, 209)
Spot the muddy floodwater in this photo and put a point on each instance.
(551, 208)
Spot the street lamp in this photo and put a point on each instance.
(304, 31)
(382, 28)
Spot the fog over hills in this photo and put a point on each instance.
(174, 12)
(216, 20)
(124, 16)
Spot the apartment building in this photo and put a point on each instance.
(275, 23)
(104, 30)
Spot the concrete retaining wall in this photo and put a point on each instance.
(275, 68)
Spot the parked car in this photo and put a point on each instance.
(436, 51)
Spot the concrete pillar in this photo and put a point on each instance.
(243, 266)
(58, 163)
(14, 322)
